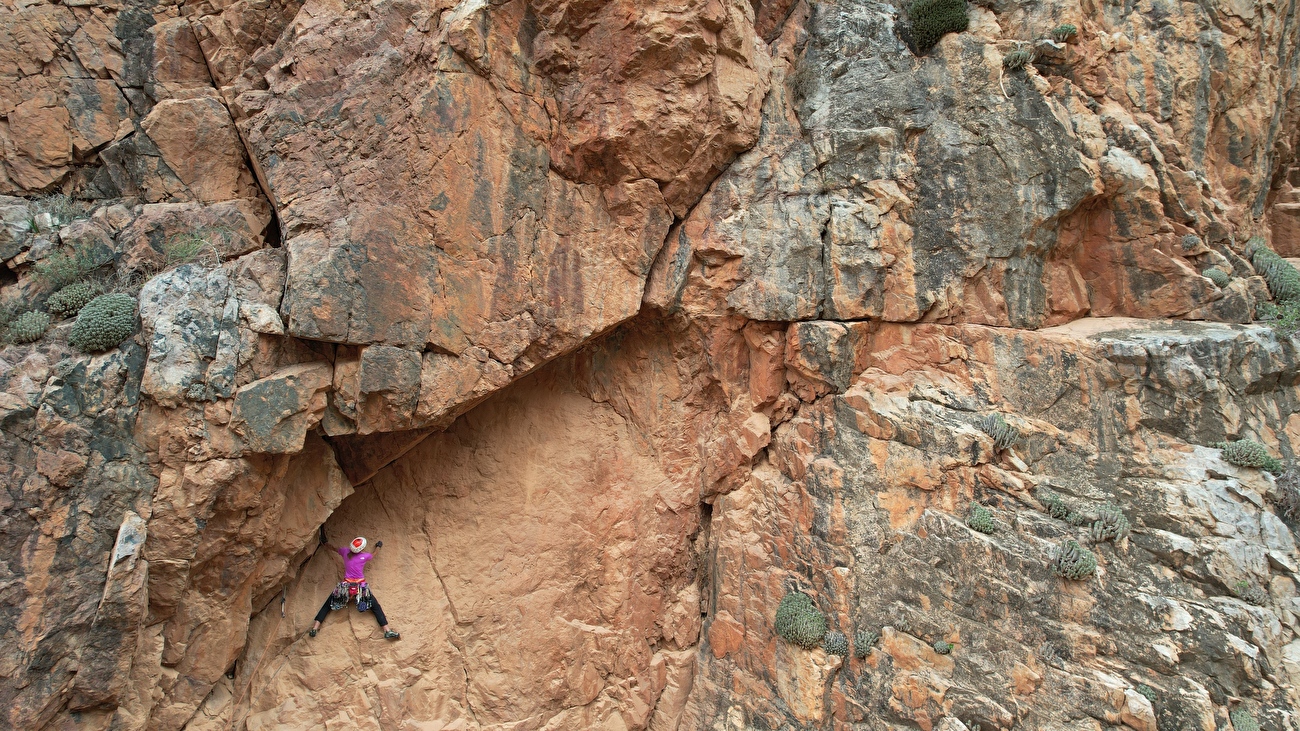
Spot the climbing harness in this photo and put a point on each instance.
(351, 590)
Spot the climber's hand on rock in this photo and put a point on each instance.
(379, 544)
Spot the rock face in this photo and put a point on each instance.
(617, 322)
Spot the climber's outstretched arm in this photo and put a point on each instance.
(325, 541)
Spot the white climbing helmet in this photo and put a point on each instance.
(358, 544)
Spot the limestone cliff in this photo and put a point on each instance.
(620, 321)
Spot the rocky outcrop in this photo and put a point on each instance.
(619, 321)
(863, 505)
(947, 188)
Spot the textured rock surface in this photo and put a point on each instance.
(618, 320)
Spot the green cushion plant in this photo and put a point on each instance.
(933, 19)
(103, 323)
(1249, 453)
(835, 643)
(799, 622)
(28, 327)
(68, 301)
(1074, 561)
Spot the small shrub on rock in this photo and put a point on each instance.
(1283, 280)
(1074, 561)
(863, 642)
(1004, 435)
(55, 210)
(28, 327)
(1250, 593)
(835, 643)
(68, 264)
(942, 647)
(1056, 507)
(1242, 720)
(1284, 319)
(1218, 276)
(933, 19)
(68, 301)
(1017, 59)
(1110, 525)
(1064, 32)
(103, 323)
(799, 622)
(8, 311)
(200, 244)
(1147, 692)
(1248, 453)
(981, 519)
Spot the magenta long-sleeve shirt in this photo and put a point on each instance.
(355, 563)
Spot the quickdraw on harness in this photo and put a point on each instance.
(349, 590)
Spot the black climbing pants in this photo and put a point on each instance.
(374, 607)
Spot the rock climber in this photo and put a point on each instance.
(353, 586)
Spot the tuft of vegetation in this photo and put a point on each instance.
(1284, 319)
(980, 519)
(799, 622)
(1004, 435)
(68, 301)
(54, 211)
(1283, 280)
(1242, 720)
(8, 311)
(1248, 453)
(933, 19)
(835, 643)
(1056, 506)
(28, 327)
(1110, 525)
(69, 264)
(1283, 283)
(1218, 276)
(863, 642)
(942, 647)
(1147, 692)
(103, 323)
(1064, 32)
(1250, 593)
(1190, 242)
(1018, 59)
(191, 246)
(1074, 561)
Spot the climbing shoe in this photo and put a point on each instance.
(311, 633)
(391, 635)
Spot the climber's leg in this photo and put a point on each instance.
(381, 619)
(320, 616)
(378, 610)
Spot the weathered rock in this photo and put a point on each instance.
(466, 191)
(274, 414)
(161, 233)
(211, 329)
(552, 242)
(948, 189)
(68, 444)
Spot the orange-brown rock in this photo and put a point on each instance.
(617, 322)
